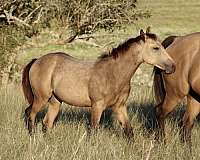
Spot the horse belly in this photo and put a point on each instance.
(74, 93)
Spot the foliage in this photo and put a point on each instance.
(81, 16)
(10, 38)
(86, 16)
(25, 18)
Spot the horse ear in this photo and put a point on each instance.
(142, 32)
(148, 29)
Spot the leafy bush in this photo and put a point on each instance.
(25, 18)
(86, 16)
(10, 38)
(81, 16)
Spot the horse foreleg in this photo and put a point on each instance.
(192, 110)
(96, 111)
(162, 110)
(31, 113)
(122, 116)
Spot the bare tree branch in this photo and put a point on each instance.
(29, 16)
(17, 21)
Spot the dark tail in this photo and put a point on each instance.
(158, 83)
(28, 94)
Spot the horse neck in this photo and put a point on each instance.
(126, 64)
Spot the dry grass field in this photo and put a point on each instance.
(68, 139)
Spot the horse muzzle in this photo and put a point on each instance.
(170, 68)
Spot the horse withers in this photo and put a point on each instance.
(58, 77)
(171, 89)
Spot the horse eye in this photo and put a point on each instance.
(156, 48)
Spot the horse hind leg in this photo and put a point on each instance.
(31, 112)
(192, 110)
(27, 118)
(53, 110)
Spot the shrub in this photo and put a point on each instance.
(25, 18)
(80, 16)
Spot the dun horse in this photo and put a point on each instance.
(170, 89)
(58, 77)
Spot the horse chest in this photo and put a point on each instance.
(109, 92)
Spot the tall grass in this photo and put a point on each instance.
(68, 139)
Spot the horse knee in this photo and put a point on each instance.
(169, 103)
(161, 113)
(96, 111)
(123, 119)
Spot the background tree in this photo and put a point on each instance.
(25, 18)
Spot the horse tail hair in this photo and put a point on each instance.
(158, 84)
(28, 94)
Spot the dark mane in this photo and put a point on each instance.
(120, 49)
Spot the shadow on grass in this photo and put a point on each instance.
(75, 115)
(144, 113)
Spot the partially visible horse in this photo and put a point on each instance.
(170, 89)
(58, 77)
